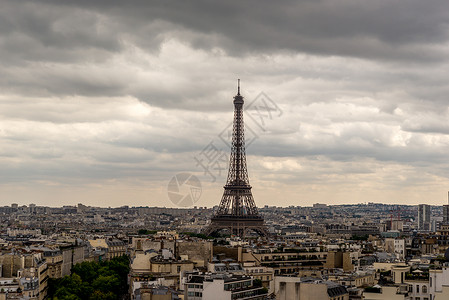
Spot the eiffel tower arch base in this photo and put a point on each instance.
(239, 226)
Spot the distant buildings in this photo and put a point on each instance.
(334, 252)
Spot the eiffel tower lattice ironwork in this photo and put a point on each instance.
(237, 211)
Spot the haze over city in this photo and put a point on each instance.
(102, 102)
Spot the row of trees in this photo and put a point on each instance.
(93, 280)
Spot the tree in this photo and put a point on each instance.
(88, 271)
(91, 280)
(98, 295)
(257, 282)
(107, 283)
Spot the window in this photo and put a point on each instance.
(424, 290)
(417, 288)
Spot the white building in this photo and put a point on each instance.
(418, 289)
(439, 283)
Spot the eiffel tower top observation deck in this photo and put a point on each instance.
(237, 211)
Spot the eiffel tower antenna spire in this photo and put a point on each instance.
(237, 212)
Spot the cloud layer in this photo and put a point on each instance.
(102, 102)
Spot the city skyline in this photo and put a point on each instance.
(103, 103)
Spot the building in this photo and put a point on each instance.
(28, 270)
(424, 217)
(418, 288)
(397, 225)
(151, 265)
(222, 287)
(319, 205)
(295, 288)
(71, 255)
(439, 283)
(54, 260)
(113, 247)
(446, 212)
(264, 274)
(116, 248)
(356, 279)
(340, 260)
(390, 292)
(155, 292)
(396, 247)
(285, 262)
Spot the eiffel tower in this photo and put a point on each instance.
(237, 211)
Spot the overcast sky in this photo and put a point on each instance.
(103, 102)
